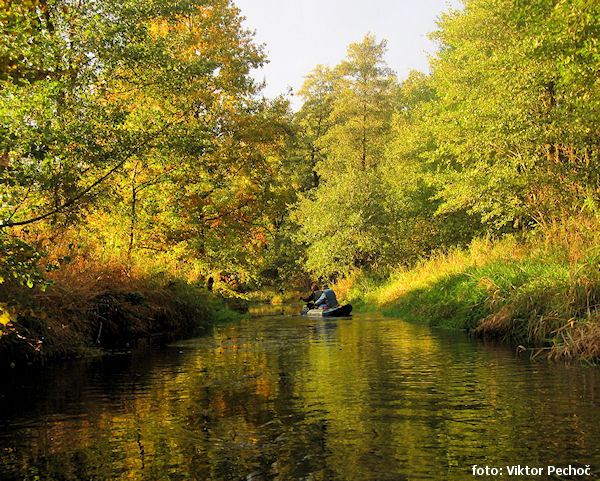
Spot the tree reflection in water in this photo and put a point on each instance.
(296, 398)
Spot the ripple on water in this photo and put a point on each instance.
(284, 397)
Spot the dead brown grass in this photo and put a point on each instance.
(582, 341)
(496, 325)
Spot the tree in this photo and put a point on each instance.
(413, 179)
(140, 117)
(318, 94)
(365, 98)
(514, 111)
(344, 221)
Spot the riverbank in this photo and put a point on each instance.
(76, 317)
(540, 292)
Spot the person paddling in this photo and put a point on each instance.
(315, 294)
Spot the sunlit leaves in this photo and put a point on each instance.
(6, 318)
(147, 120)
(347, 122)
(515, 110)
(18, 264)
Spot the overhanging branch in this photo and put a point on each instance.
(73, 200)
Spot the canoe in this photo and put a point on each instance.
(337, 312)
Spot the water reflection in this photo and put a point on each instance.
(294, 398)
(262, 309)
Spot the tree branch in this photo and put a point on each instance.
(73, 200)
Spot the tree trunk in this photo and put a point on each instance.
(364, 138)
(133, 213)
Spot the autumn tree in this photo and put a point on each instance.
(140, 121)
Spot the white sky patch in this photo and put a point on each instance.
(300, 34)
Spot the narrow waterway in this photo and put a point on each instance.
(290, 398)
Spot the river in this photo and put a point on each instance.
(290, 398)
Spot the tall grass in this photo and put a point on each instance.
(538, 290)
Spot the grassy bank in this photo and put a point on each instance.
(89, 307)
(540, 291)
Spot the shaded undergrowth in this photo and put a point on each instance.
(91, 307)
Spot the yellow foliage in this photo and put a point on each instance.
(5, 318)
(159, 28)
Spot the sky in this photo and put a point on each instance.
(300, 34)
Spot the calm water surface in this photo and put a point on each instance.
(291, 398)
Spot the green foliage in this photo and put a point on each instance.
(344, 219)
(18, 263)
(318, 93)
(513, 112)
(135, 130)
(345, 222)
(375, 205)
(18, 268)
(500, 136)
(136, 125)
(361, 111)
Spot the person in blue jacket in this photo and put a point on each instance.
(327, 299)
